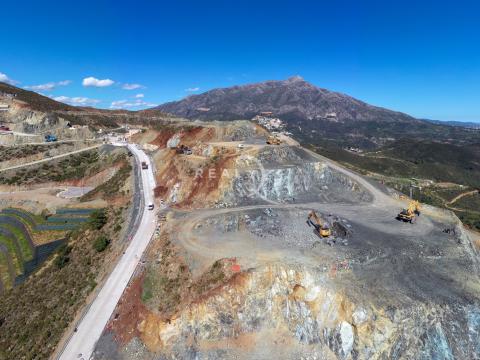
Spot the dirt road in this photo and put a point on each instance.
(50, 158)
(378, 243)
(82, 342)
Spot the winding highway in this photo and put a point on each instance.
(82, 342)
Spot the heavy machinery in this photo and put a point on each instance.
(410, 214)
(321, 229)
(273, 140)
(183, 149)
(50, 138)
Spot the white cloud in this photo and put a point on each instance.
(192, 89)
(139, 96)
(4, 78)
(48, 86)
(91, 81)
(125, 104)
(132, 86)
(76, 100)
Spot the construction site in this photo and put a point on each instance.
(260, 246)
(264, 247)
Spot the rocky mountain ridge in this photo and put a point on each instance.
(293, 97)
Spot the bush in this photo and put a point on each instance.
(98, 219)
(101, 243)
(63, 257)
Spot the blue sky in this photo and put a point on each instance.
(419, 57)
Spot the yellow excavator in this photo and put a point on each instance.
(273, 140)
(321, 228)
(410, 214)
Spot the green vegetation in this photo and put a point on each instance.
(14, 253)
(147, 289)
(20, 249)
(63, 256)
(98, 219)
(21, 151)
(73, 167)
(440, 162)
(470, 219)
(469, 202)
(4, 270)
(23, 243)
(101, 243)
(35, 314)
(452, 170)
(111, 188)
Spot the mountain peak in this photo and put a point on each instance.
(293, 100)
(295, 78)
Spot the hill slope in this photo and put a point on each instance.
(312, 113)
(293, 97)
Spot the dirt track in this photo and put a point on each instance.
(414, 260)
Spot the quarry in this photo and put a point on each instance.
(261, 248)
(235, 271)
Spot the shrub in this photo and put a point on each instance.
(63, 257)
(101, 243)
(98, 219)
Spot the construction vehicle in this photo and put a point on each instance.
(182, 149)
(144, 165)
(273, 140)
(50, 138)
(410, 214)
(321, 228)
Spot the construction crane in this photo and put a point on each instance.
(409, 214)
(321, 228)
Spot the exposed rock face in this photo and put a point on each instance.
(323, 320)
(24, 120)
(307, 182)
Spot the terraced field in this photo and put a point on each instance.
(19, 254)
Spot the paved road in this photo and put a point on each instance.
(90, 328)
(50, 158)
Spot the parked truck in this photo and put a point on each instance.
(50, 138)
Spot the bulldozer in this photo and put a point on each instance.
(321, 229)
(410, 214)
(273, 140)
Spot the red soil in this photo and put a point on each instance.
(130, 311)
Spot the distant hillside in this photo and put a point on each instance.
(291, 98)
(34, 100)
(51, 110)
(407, 158)
(311, 113)
(465, 124)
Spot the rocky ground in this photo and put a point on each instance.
(235, 271)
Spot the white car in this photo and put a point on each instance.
(150, 206)
(241, 146)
